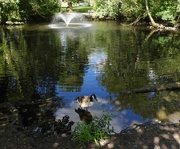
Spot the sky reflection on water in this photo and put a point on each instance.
(105, 59)
(120, 119)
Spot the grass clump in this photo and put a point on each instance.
(98, 129)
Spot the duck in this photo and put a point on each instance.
(86, 101)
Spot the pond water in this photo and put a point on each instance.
(104, 58)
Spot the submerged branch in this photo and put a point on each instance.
(170, 86)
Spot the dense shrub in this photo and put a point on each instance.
(129, 10)
(14, 11)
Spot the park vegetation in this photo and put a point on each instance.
(165, 12)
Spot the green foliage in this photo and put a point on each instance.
(98, 4)
(128, 10)
(9, 11)
(40, 8)
(98, 129)
(23, 10)
(178, 7)
(119, 9)
(109, 9)
(165, 15)
(44, 8)
(132, 9)
(165, 10)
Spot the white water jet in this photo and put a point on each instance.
(69, 20)
(66, 17)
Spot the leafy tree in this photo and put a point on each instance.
(24, 10)
(9, 11)
(162, 10)
(38, 8)
(167, 11)
(108, 9)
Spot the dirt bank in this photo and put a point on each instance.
(143, 136)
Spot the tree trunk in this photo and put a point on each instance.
(69, 7)
(154, 24)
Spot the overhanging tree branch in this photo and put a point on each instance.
(154, 24)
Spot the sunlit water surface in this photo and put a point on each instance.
(102, 58)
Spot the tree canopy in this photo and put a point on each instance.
(16, 11)
(164, 11)
(167, 11)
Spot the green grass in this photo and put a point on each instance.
(81, 9)
(98, 129)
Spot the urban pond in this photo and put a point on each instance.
(50, 64)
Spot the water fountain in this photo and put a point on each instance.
(69, 20)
